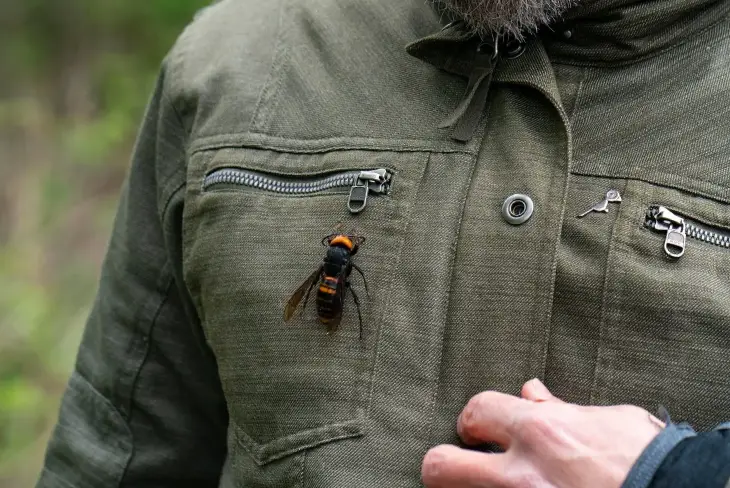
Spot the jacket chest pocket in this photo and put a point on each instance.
(665, 336)
(254, 226)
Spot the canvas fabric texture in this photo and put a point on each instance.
(188, 374)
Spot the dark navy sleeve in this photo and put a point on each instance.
(680, 458)
(701, 461)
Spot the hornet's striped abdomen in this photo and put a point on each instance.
(332, 278)
(331, 294)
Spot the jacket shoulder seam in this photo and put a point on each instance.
(269, 94)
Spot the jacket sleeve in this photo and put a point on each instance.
(143, 406)
(680, 458)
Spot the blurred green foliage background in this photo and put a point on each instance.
(75, 76)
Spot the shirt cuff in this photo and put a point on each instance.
(646, 466)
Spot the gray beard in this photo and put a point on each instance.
(506, 18)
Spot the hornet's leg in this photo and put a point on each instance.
(357, 305)
(357, 268)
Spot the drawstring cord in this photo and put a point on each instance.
(464, 120)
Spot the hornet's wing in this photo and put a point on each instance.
(305, 287)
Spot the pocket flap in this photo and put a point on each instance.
(285, 446)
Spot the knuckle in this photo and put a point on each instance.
(633, 411)
(469, 418)
(634, 414)
(477, 402)
(433, 467)
(525, 477)
(617, 412)
(535, 424)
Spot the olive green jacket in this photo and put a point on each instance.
(264, 117)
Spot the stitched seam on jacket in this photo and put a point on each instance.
(558, 106)
(545, 339)
(56, 478)
(301, 471)
(372, 367)
(181, 186)
(263, 454)
(176, 64)
(567, 125)
(452, 267)
(664, 183)
(261, 119)
(316, 146)
(602, 325)
(578, 94)
(165, 281)
(164, 296)
(109, 407)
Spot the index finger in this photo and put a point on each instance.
(449, 466)
(490, 417)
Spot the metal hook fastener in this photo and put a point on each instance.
(612, 196)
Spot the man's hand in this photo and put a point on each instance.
(548, 443)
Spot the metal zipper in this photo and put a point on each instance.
(677, 228)
(361, 183)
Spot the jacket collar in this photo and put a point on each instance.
(601, 32)
(608, 32)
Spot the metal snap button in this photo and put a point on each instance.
(488, 49)
(517, 209)
(514, 49)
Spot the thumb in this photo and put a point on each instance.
(535, 391)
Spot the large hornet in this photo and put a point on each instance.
(333, 277)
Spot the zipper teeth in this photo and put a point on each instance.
(241, 177)
(702, 234)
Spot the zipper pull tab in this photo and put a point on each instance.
(674, 243)
(358, 197)
(664, 220)
(376, 181)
